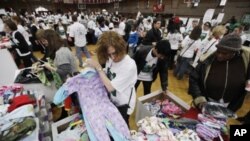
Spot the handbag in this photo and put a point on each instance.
(124, 107)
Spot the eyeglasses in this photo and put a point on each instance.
(112, 54)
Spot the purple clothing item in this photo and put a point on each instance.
(96, 105)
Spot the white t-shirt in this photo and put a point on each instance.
(207, 46)
(189, 46)
(100, 30)
(123, 76)
(146, 73)
(91, 24)
(121, 28)
(147, 26)
(174, 39)
(243, 37)
(78, 31)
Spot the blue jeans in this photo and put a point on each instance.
(79, 51)
(181, 66)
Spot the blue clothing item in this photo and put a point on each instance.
(133, 39)
(60, 95)
(79, 51)
(114, 133)
(62, 92)
(89, 130)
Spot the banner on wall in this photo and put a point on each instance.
(220, 17)
(158, 7)
(208, 15)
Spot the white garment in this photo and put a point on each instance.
(207, 46)
(188, 30)
(146, 73)
(147, 26)
(100, 30)
(1, 25)
(64, 20)
(91, 24)
(121, 28)
(174, 39)
(125, 73)
(68, 29)
(78, 31)
(182, 30)
(243, 37)
(189, 47)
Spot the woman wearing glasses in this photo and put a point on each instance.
(120, 73)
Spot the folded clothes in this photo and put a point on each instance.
(211, 121)
(217, 110)
(170, 108)
(207, 133)
(155, 129)
(163, 108)
(187, 135)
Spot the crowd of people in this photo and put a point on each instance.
(134, 50)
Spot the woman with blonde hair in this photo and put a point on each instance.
(120, 73)
(208, 45)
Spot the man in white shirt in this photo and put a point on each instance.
(78, 31)
(122, 26)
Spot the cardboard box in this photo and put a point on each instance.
(61, 125)
(142, 112)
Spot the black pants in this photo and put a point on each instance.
(27, 60)
(171, 58)
(123, 110)
(146, 86)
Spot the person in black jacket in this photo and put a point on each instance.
(19, 45)
(151, 61)
(222, 76)
(154, 34)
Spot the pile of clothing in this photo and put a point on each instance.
(163, 108)
(23, 114)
